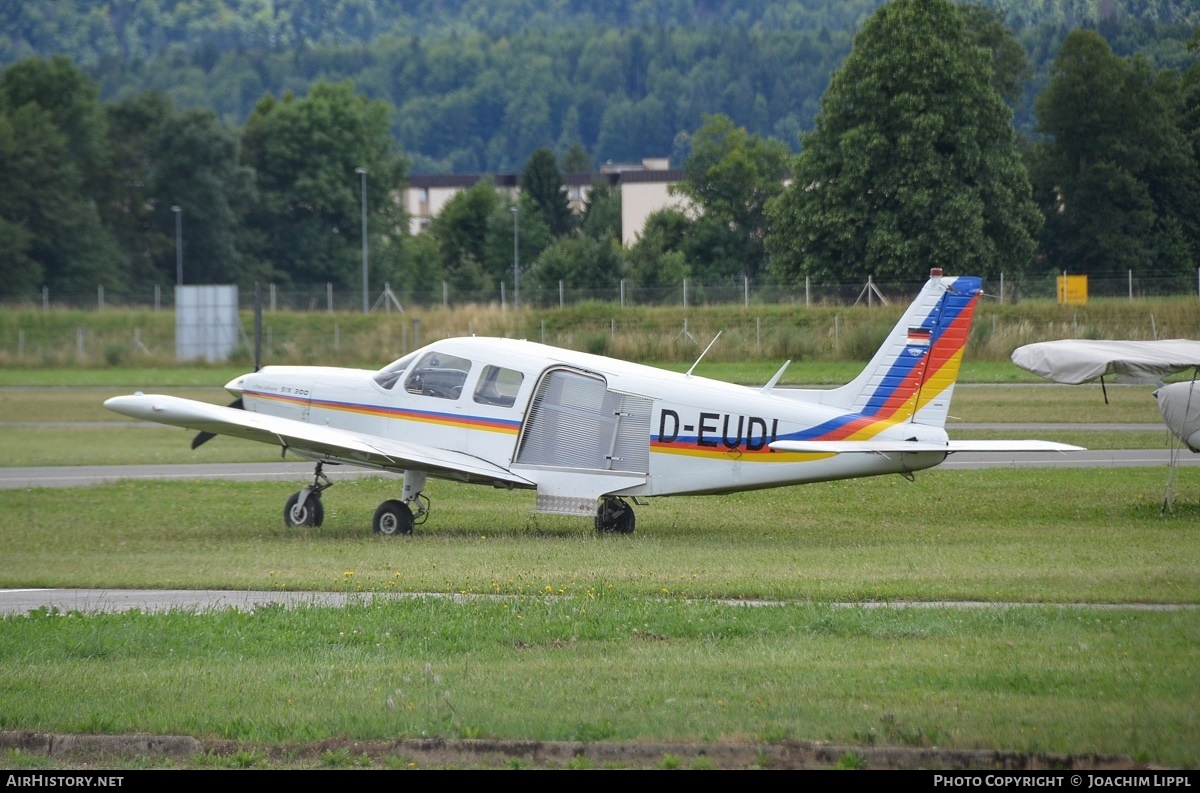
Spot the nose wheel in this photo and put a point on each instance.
(304, 508)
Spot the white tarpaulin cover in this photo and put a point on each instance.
(1179, 404)
(1077, 361)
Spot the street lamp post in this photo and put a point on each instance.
(516, 263)
(366, 297)
(178, 210)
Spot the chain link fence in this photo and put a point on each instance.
(328, 298)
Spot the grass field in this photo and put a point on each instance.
(757, 333)
(1086, 536)
(567, 635)
(1030, 679)
(562, 634)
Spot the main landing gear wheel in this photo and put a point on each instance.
(310, 513)
(615, 516)
(392, 518)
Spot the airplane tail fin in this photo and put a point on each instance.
(912, 376)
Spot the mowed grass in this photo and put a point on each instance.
(567, 635)
(49, 404)
(560, 634)
(123, 444)
(1049, 403)
(601, 666)
(1044, 536)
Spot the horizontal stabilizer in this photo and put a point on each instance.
(1012, 446)
(916, 447)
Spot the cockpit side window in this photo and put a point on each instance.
(438, 375)
(498, 386)
(390, 374)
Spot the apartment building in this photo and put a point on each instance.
(644, 189)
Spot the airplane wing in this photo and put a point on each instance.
(311, 440)
(912, 447)
(1076, 361)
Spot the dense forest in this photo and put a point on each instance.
(479, 85)
(244, 127)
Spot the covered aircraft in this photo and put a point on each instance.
(591, 434)
(1077, 361)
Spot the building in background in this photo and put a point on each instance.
(644, 188)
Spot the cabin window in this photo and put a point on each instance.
(390, 374)
(498, 386)
(438, 375)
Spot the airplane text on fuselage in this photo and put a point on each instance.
(713, 429)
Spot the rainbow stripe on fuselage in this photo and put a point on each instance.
(510, 427)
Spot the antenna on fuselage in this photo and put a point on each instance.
(771, 383)
(706, 349)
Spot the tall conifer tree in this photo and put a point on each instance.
(913, 163)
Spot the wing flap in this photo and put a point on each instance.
(312, 440)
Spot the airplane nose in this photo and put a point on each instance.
(237, 385)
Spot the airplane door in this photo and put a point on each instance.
(576, 422)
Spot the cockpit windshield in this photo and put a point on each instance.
(438, 374)
(389, 375)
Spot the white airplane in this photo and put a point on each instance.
(1077, 361)
(589, 433)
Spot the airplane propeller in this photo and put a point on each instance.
(203, 437)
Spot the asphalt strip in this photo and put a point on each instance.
(97, 601)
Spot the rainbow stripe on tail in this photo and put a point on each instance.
(912, 376)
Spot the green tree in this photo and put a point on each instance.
(579, 262)
(602, 214)
(576, 159)
(656, 262)
(71, 99)
(913, 162)
(474, 233)
(134, 211)
(307, 221)
(1115, 173)
(1190, 121)
(461, 229)
(196, 159)
(730, 176)
(54, 179)
(542, 182)
(533, 236)
(20, 272)
(420, 274)
(1010, 65)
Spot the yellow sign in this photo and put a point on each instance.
(1072, 289)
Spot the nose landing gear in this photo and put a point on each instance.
(304, 508)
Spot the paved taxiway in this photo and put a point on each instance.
(91, 601)
(80, 475)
